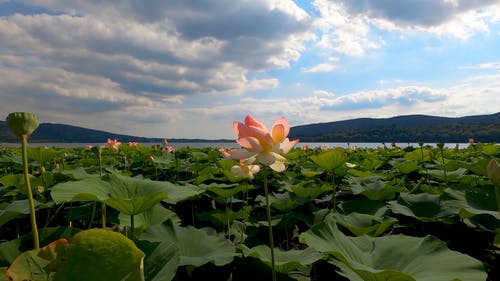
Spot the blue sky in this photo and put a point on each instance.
(177, 69)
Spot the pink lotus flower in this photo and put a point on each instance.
(493, 171)
(260, 145)
(170, 148)
(133, 143)
(114, 144)
(224, 152)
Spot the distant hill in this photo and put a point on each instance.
(60, 133)
(408, 128)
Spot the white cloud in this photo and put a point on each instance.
(349, 27)
(495, 65)
(163, 48)
(342, 32)
(323, 93)
(322, 67)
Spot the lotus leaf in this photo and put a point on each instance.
(391, 257)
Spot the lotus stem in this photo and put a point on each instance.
(497, 193)
(34, 228)
(270, 228)
(132, 227)
(103, 215)
(334, 193)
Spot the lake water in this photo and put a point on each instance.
(235, 145)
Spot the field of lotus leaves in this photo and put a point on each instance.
(418, 213)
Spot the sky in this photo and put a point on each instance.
(188, 69)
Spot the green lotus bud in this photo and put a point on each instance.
(39, 189)
(22, 123)
(493, 171)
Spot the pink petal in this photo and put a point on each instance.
(251, 121)
(266, 158)
(278, 166)
(280, 129)
(250, 143)
(238, 154)
(254, 168)
(286, 145)
(262, 135)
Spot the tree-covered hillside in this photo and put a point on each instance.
(411, 128)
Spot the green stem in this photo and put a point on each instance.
(91, 221)
(270, 227)
(103, 206)
(132, 227)
(103, 215)
(34, 229)
(497, 193)
(334, 193)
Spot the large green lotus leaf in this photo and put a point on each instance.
(310, 172)
(133, 195)
(155, 215)
(18, 209)
(88, 189)
(178, 193)
(392, 257)
(308, 190)
(197, 246)
(42, 154)
(285, 261)
(365, 206)
(36, 265)
(423, 206)
(79, 173)
(374, 188)
(16, 180)
(450, 176)
(419, 155)
(490, 149)
(11, 158)
(162, 263)
(330, 159)
(406, 167)
(222, 218)
(9, 250)
(207, 173)
(283, 202)
(136, 204)
(100, 255)
(223, 190)
(479, 166)
(478, 207)
(361, 224)
(125, 194)
(370, 163)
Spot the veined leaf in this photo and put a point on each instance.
(391, 257)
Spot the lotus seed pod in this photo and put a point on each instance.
(22, 123)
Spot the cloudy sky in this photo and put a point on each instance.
(175, 68)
